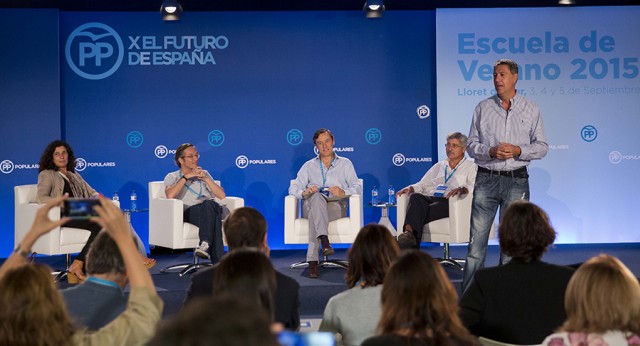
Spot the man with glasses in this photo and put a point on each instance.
(332, 176)
(428, 200)
(196, 188)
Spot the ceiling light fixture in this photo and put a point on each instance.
(170, 10)
(374, 8)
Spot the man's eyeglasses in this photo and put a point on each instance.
(195, 156)
(450, 145)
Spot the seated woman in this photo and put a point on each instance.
(57, 176)
(603, 306)
(419, 306)
(32, 311)
(520, 302)
(354, 313)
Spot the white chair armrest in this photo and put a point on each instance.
(165, 215)
(232, 202)
(401, 210)
(291, 213)
(355, 214)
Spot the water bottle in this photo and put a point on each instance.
(374, 196)
(115, 196)
(392, 195)
(134, 201)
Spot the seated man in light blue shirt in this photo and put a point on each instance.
(325, 175)
(99, 299)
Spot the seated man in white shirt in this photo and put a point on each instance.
(428, 199)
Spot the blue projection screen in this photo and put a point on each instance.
(248, 89)
(582, 68)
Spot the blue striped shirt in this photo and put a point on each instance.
(341, 173)
(521, 125)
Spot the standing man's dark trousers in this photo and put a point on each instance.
(208, 217)
(422, 210)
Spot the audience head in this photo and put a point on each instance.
(602, 295)
(371, 255)
(180, 152)
(53, 149)
(459, 136)
(245, 227)
(419, 301)
(525, 232)
(247, 273)
(32, 311)
(217, 321)
(104, 258)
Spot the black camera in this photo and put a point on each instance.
(80, 208)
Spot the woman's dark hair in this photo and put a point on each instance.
(180, 151)
(248, 274)
(46, 160)
(419, 301)
(525, 232)
(370, 256)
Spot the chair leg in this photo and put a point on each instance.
(326, 262)
(62, 273)
(446, 259)
(188, 267)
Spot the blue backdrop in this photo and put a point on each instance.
(249, 89)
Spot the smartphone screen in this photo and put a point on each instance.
(289, 338)
(80, 208)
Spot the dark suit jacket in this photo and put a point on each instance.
(287, 300)
(519, 303)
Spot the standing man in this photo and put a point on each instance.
(429, 198)
(506, 134)
(327, 175)
(196, 188)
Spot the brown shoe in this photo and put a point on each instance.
(313, 269)
(406, 240)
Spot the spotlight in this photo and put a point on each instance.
(374, 8)
(170, 10)
(566, 2)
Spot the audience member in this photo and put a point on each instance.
(354, 313)
(603, 306)
(100, 299)
(419, 306)
(248, 274)
(325, 176)
(520, 302)
(429, 198)
(196, 188)
(246, 227)
(32, 311)
(217, 321)
(57, 176)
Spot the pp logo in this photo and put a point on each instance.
(589, 133)
(615, 157)
(6, 166)
(423, 112)
(215, 138)
(135, 139)
(242, 161)
(81, 164)
(398, 159)
(294, 137)
(94, 51)
(161, 151)
(373, 136)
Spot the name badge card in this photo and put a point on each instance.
(440, 189)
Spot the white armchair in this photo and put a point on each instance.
(343, 230)
(455, 229)
(168, 229)
(60, 241)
